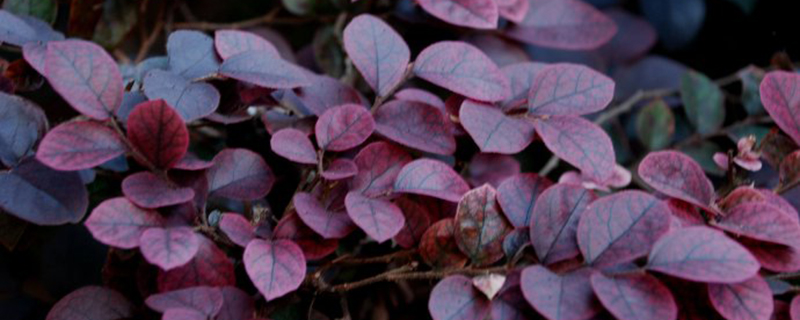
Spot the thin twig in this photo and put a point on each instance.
(393, 275)
(148, 42)
(270, 18)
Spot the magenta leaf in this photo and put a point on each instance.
(119, 223)
(430, 177)
(294, 145)
(517, 196)
(158, 133)
(377, 51)
(313, 245)
(438, 246)
(275, 267)
(560, 297)
(567, 89)
(417, 221)
(678, 176)
(237, 305)
(192, 100)
(35, 193)
(780, 202)
(206, 300)
(232, 42)
(327, 222)
(751, 299)
(794, 308)
(463, 69)
(343, 127)
(378, 165)
(191, 54)
(779, 95)
(454, 297)
(702, 254)
(240, 174)
(478, 14)
(379, 218)
(621, 227)
(325, 92)
(761, 221)
(513, 10)
(479, 226)
(777, 258)
(341, 168)
(169, 248)
(264, 70)
(183, 314)
(418, 95)
(22, 124)
(85, 76)
(209, 267)
(416, 125)
(91, 303)
(79, 145)
(493, 131)
(570, 25)
(148, 190)
(520, 76)
(237, 228)
(554, 221)
(580, 143)
(491, 168)
(633, 297)
(686, 214)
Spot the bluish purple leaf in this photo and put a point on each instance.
(339, 169)
(330, 223)
(343, 127)
(183, 314)
(416, 125)
(35, 54)
(379, 218)
(634, 297)
(580, 143)
(431, 178)
(119, 223)
(275, 267)
(491, 168)
(554, 221)
(35, 193)
(237, 305)
(79, 145)
(91, 303)
(493, 131)
(324, 92)
(209, 267)
(14, 30)
(761, 221)
(748, 300)
(237, 228)
(231, 42)
(192, 100)
(569, 25)
(378, 165)
(560, 297)
(240, 174)
(517, 196)
(22, 124)
(206, 300)
(169, 248)
(377, 51)
(314, 247)
(294, 145)
(479, 226)
(566, 89)
(148, 190)
(419, 95)
(454, 297)
(264, 70)
(191, 54)
(520, 76)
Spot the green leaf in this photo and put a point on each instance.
(43, 9)
(703, 102)
(747, 6)
(751, 97)
(703, 152)
(119, 17)
(300, 7)
(655, 125)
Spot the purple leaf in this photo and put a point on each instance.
(79, 145)
(34, 54)
(148, 190)
(559, 297)
(343, 127)
(580, 143)
(85, 76)
(192, 100)
(515, 241)
(118, 223)
(491, 168)
(417, 221)
(327, 222)
(237, 305)
(431, 178)
(191, 54)
(794, 310)
(416, 125)
(685, 213)
(567, 89)
(276, 267)
(378, 165)
(294, 145)
(418, 95)
(91, 303)
(191, 162)
(341, 168)
(761, 221)
(379, 218)
(513, 10)
(702, 254)
(479, 226)
(206, 300)
(209, 267)
(779, 95)
(14, 30)
(635, 37)
(158, 133)
(633, 297)
(377, 51)
(678, 176)
(478, 14)
(748, 300)
(569, 25)
(35, 193)
(325, 92)
(169, 248)
(438, 246)
(493, 131)
(517, 196)
(621, 227)
(463, 69)
(183, 314)
(237, 228)
(264, 70)
(773, 257)
(520, 76)
(232, 42)
(554, 221)
(313, 245)
(510, 304)
(275, 120)
(454, 297)
(240, 174)
(22, 124)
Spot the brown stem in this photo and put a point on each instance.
(392, 275)
(269, 18)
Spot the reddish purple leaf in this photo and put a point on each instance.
(206, 300)
(773, 257)
(325, 92)
(454, 297)
(520, 76)
(567, 89)
(79, 145)
(748, 300)
(183, 314)
(237, 305)
(416, 125)
(158, 133)
(678, 176)
(635, 37)
(417, 221)
(761, 221)
(633, 297)
(479, 226)
(276, 119)
(580, 143)
(91, 303)
(740, 195)
(478, 14)
(378, 165)
(794, 308)
(85, 76)
(560, 297)
(339, 169)
(515, 241)
(192, 100)
(313, 245)
(22, 124)
(169, 248)
(379, 218)
(463, 69)
(150, 191)
(686, 213)
(514, 10)
(778, 201)
(237, 228)
(430, 177)
(438, 247)
(702, 254)
(191, 162)
(191, 54)
(621, 227)
(294, 145)
(35, 193)
(491, 168)
(779, 95)
(493, 131)
(554, 221)
(510, 304)
(567, 24)
(418, 95)
(275, 267)
(327, 222)
(377, 51)
(264, 70)
(232, 42)
(118, 223)
(343, 127)
(209, 267)
(240, 174)
(517, 196)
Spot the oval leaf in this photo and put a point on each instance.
(192, 100)
(325, 92)
(493, 131)
(79, 145)
(240, 174)
(379, 53)
(237, 228)
(554, 222)
(330, 224)
(763, 222)
(455, 298)
(343, 127)
(191, 54)
(169, 248)
(559, 297)
(209, 267)
(431, 178)
(438, 247)
(264, 70)
(777, 258)
(378, 165)
(232, 42)
(14, 30)
(158, 133)
(520, 76)
(638, 296)
(22, 124)
(580, 143)
(678, 176)
(418, 95)
(150, 191)
(479, 226)
(463, 69)
(314, 247)
(655, 125)
(275, 267)
(478, 14)
(339, 169)
(118, 223)
(92, 303)
(294, 145)
(237, 305)
(778, 94)
(569, 25)
(518, 195)
(379, 218)
(35, 193)
(748, 300)
(206, 300)
(417, 125)
(569, 89)
(703, 102)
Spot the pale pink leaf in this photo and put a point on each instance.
(275, 267)
(493, 131)
(117, 222)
